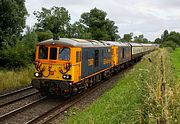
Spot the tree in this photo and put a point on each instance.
(174, 36)
(167, 39)
(21, 54)
(44, 35)
(127, 37)
(158, 40)
(164, 35)
(78, 30)
(140, 39)
(97, 26)
(12, 20)
(55, 19)
(112, 30)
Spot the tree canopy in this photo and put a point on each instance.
(55, 19)
(17, 50)
(137, 39)
(99, 27)
(167, 39)
(127, 37)
(13, 15)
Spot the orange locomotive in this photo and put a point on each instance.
(65, 66)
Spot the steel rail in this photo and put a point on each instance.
(15, 92)
(64, 106)
(20, 109)
(23, 97)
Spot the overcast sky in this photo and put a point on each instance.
(148, 17)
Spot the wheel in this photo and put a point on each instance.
(66, 93)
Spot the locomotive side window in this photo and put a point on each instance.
(43, 52)
(102, 53)
(96, 58)
(53, 53)
(123, 50)
(78, 56)
(64, 54)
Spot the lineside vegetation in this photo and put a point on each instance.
(10, 79)
(175, 58)
(148, 93)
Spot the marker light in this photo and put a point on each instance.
(53, 43)
(66, 76)
(37, 74)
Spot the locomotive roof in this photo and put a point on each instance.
(89, 43)
(74, 42)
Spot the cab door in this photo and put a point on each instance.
(77, 65)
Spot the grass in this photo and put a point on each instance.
(120, 103)
(137, 98)
(15, 78)
(175, 58)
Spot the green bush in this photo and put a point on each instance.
(21, 54)
(171, 44)
(14, 57)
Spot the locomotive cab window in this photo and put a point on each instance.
(64, 54)
(43, 52)
(53, 53)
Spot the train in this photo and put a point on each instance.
(66, 66)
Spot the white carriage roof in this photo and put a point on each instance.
(74, 42)
(113, 43)
(136, 44)
(142, 44)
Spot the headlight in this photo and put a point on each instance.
(38, 74)
(65, 76)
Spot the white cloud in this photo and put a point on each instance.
(150, 17)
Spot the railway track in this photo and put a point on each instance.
(54, 113)
(12, 97)
(15, 92)
(4, 116)
(50, 113)
(20, 98)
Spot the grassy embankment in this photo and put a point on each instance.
(175, 58)
(13, 79)
(137, 98)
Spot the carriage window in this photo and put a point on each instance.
(53, 53)
(64, 54)
(43, 52)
